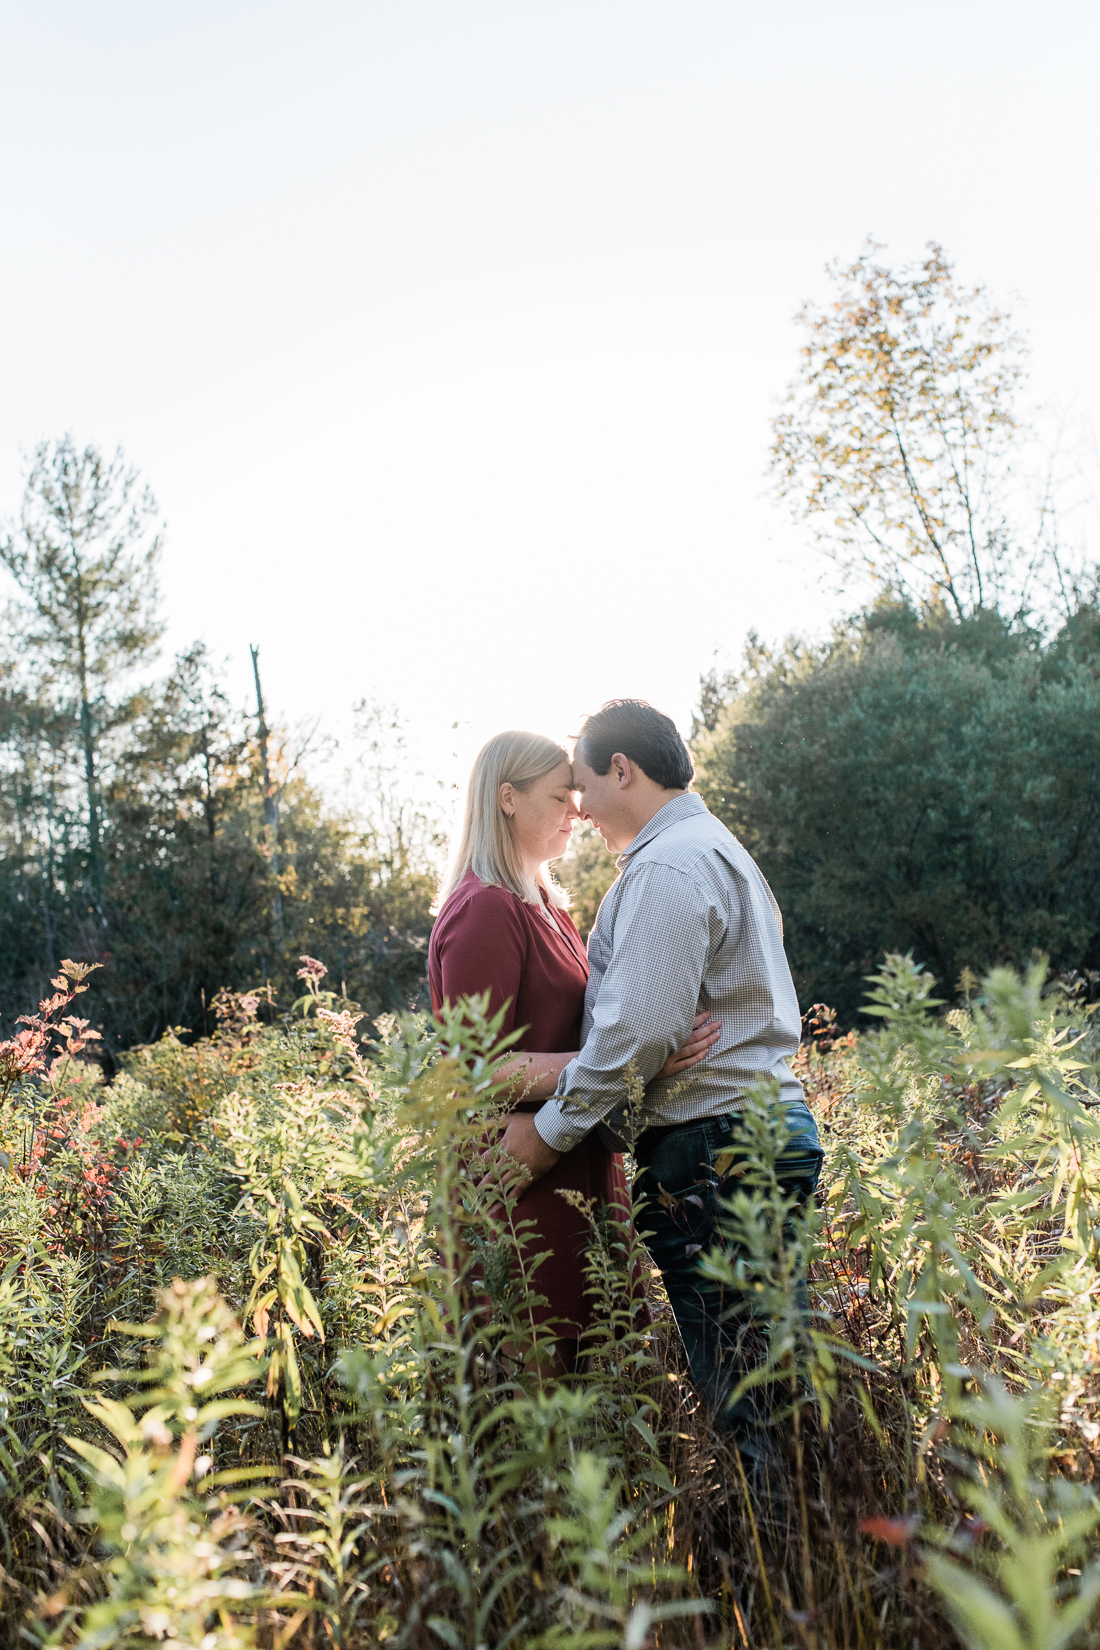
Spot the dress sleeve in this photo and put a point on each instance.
(485, 950)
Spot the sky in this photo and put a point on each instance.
(448, 332)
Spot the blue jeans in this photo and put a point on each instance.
(677, 1229)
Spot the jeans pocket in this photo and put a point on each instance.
(800, 1122)
(801, 1160)
(679, 1185)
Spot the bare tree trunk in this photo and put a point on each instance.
(271, 799)
(33, 800)
(48, 883)
(208, 807)
(87, 737)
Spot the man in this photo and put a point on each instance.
(689, 926)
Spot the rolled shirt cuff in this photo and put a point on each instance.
(560, 1133)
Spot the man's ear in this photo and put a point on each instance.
(623, 769)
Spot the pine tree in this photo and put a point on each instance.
(84, 557)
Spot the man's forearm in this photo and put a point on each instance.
(645, 1006)
(560, 1131)
(596, 1084)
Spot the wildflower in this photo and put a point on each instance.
(342, 1026)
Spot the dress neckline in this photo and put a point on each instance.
(548, 913)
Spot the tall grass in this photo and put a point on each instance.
(272, 1370)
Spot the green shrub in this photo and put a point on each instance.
(916, 785)
(394, 1459)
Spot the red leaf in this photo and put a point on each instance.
(896, 1532)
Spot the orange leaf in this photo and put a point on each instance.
(896, 1532)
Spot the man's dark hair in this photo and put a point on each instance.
(646, 736)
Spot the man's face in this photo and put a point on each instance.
(600, 801)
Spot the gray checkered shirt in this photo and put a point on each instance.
(690, 924)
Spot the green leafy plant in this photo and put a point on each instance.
(439, 1482)
(174, 1542)
(1006, 1575)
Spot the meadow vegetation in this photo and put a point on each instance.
(271, 1373)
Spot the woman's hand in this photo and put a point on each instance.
(705, 1032)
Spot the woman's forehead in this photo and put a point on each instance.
(561, 775)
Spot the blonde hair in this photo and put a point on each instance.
(485, 843)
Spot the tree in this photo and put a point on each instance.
(587, 870)
(155, 829)
(272, 793)
(84, 558)
(186, 884)
(899, 438)
(918, 783)
(37, 823)
(400, 806)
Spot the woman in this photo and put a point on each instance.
(503, 927)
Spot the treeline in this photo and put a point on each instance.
(926, 779)
(923, 784)
(150, 825)
(923, 780)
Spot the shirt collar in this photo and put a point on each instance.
(681, 807)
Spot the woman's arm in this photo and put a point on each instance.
(522, 1141)
(535, 1076)
(482, 947)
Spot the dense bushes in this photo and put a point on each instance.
(149, 825)
(189, 900)
(318, 1436)
(917, 784)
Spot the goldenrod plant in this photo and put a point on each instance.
(276, 1368)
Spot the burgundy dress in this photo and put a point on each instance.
(485, 939)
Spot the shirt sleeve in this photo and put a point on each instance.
(485, 950)
(665, 928)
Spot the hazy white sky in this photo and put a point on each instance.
(448, 331)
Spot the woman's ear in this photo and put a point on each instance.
(506, 797)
